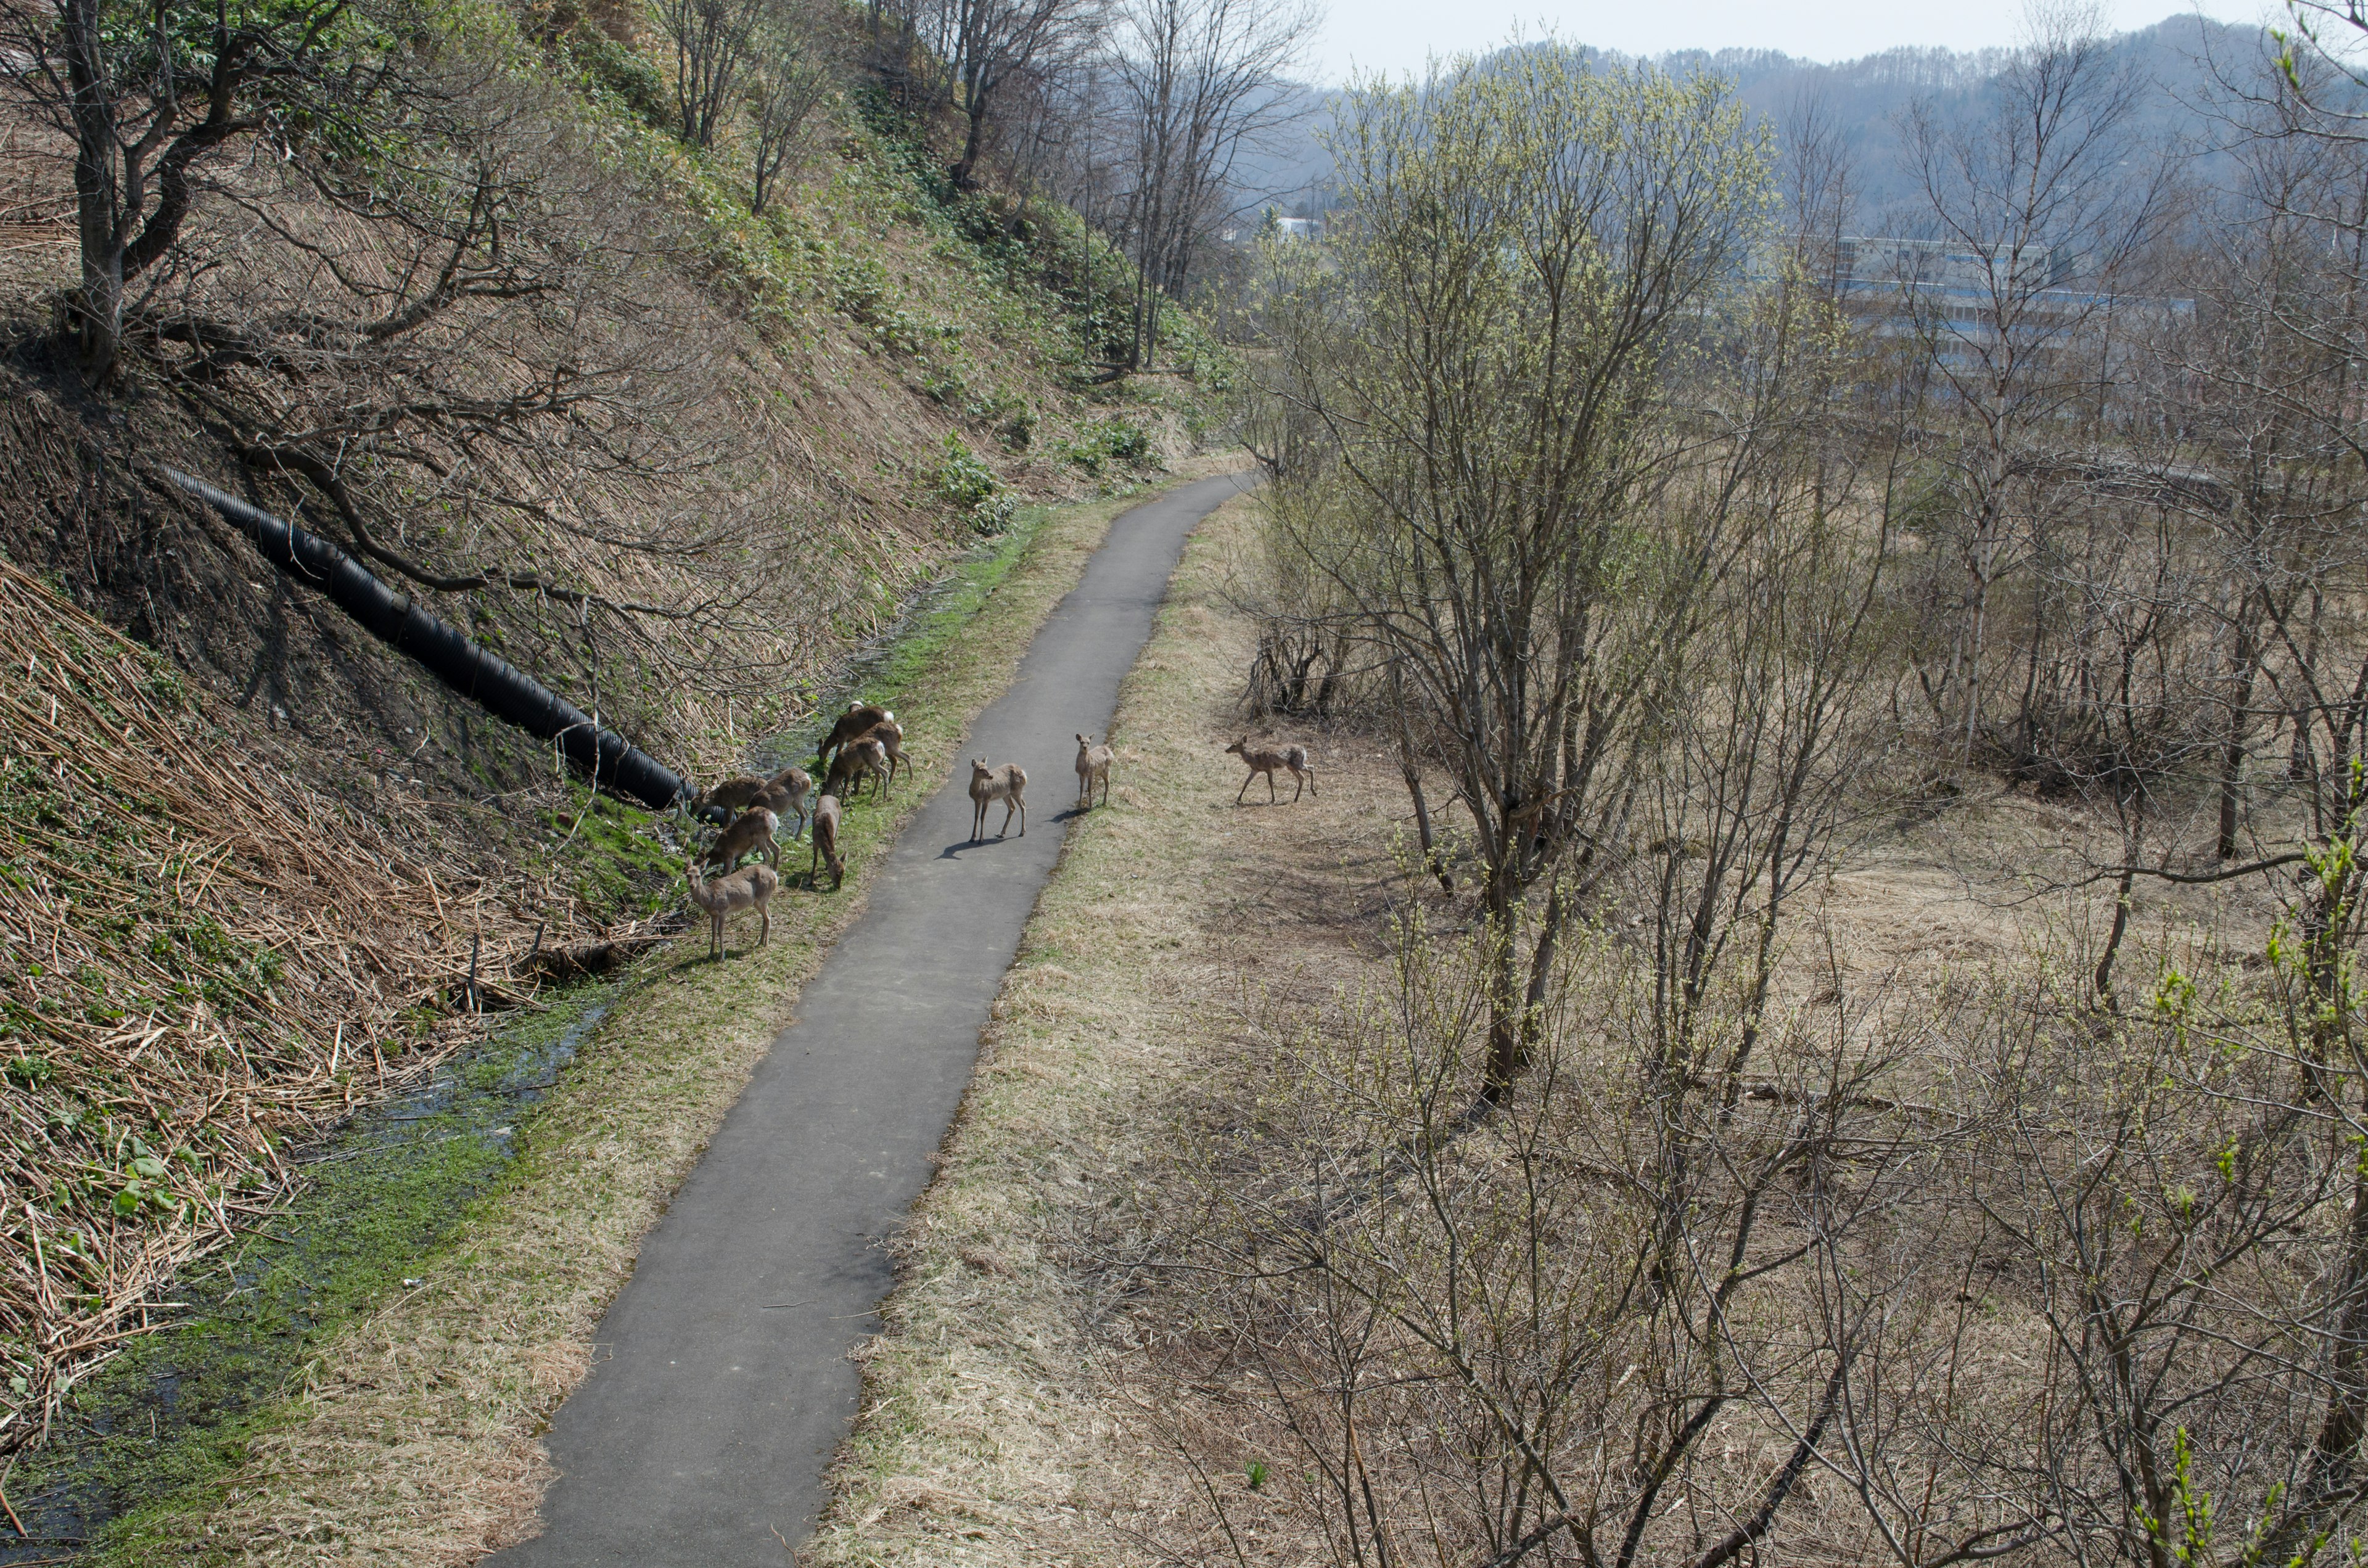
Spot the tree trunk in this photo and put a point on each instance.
(98, 195)
(1508, 1050)
(973, 138)
(1413, 773)
(2232, 758)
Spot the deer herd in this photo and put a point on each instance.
(866, 744)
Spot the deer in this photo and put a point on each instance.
(1093, 767)
(730, 797)
(826, 845)
(1261, 760)
(856, 761)
(859, 720)
(1009, 784)
(752, 834)
(752, 887)
(785, 794)
(891, 736)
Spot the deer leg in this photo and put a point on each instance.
(715, 934)
(1269, 787)
(765, 932)
(1247, 781)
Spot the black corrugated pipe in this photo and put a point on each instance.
(488, 679)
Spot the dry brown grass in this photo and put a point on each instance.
(200, 959)
(1018, 1408)
(413, 1438)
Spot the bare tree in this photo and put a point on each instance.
(711, 40)
(2036, 194)
(988, 46)
(1199, 81)
(148, 107)
(792, 80)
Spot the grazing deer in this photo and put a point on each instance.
(826, 845)
(785, 794)
(1261, 760)
(750, 888)
(859, 720)
(731, 797)
(1093, 767)
(856, 761)
(1007, 784)
(751, 835)
(891, 736)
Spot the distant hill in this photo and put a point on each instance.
(1863, 99)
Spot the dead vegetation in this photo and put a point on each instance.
(206, 963)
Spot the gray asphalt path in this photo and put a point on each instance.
(720, 1383)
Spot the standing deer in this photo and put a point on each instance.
(826, 845)
(1093, 767)
(750, 888)
(752, 834)
(856, 761)
(1007, 784)
(859, 720)
(891, 736)
(1270, 763)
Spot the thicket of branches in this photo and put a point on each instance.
(1621, 1227)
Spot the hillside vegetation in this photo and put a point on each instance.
(483, 319)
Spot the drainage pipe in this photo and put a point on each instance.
(488, 679)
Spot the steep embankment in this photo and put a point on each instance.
(678, 460)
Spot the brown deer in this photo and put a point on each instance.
(750, 888)
(826, 845)
(1007, 784)
(752, 834)
(785, 794)
(891, 736)
(856, 761)
(731, 797)
(1270, 763)
(1093, 767)
(859, 720)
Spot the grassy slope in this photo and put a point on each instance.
(412, 1439)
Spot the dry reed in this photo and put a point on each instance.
(201, 962)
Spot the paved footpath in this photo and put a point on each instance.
(720, 1384)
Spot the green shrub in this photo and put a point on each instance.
(969, 487)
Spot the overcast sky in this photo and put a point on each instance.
(1397, 35)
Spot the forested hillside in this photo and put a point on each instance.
(670, 384)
